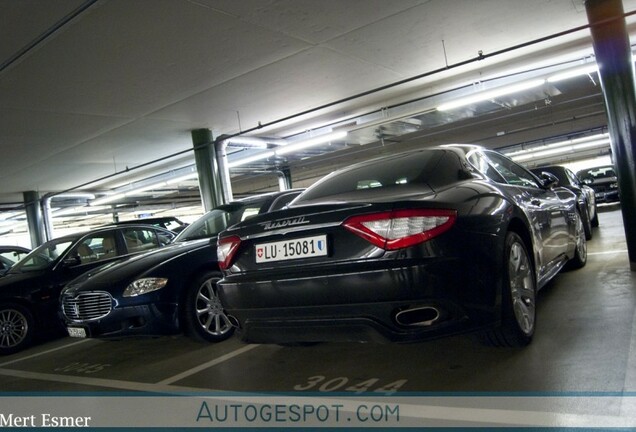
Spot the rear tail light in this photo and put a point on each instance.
(401, 228)
(226, 249)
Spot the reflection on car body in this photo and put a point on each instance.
(585, 196)
(604, 182)
(30, 290)
(167, 291)
(418, 245)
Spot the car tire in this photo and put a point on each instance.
(518, 300)
(580, 251)
(595, 218)
(203, 314)
(16, 328)
(587, 223)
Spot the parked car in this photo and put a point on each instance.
(604, 182)
(168, 291)
(171, 223)
(585, 195)
(9, 255)
(30, 291)
(406, 247)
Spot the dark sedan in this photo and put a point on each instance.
(29, 292)
(168, 291)
(603, 180)
(9, 255)
(585, 196)
(403, 248)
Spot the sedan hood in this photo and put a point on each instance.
(112, 276)
(16, 280)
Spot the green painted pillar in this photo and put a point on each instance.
(616, 74)
(34, 218)
(207, 165)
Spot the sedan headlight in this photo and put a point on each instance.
(144, 286)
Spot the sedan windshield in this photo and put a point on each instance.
(43, 256)
(217, 220)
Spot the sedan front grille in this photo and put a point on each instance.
(87, 306)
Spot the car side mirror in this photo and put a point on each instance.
(549, 180)
(72, 261)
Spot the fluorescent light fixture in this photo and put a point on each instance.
(182, 178)
(604, 138)
(251, 159)
(320, 139)
(581, 70)
(545, 151)
(490, 94)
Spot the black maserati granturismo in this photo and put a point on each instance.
(404, 248)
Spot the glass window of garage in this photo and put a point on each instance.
(513, 174)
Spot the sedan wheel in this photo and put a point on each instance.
(205, 317)
(518, 303)
(521, 284)
(16, 328)
(580, 251)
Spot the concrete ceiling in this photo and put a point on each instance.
(91, 90)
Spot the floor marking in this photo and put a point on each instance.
(408, 411)
(101, 382)
(43, 352)
(608, 252)
(628, 407)
(207, 365)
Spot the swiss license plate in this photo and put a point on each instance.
(77, 332)
(306, 247)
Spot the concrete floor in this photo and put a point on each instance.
(585, 344)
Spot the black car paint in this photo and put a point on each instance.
(355, 292)
(38, 290)
(157, 312)
(604, 181)
(585, 195)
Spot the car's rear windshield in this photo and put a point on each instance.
(597, 173)
(389, 172)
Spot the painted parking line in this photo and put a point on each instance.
(207, 365)
(44, 352)
(165, 385)
(608, 252)
(99, 382)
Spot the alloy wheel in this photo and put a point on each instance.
(522, 290)
(581, 243)
(14, 328)
(209, 310)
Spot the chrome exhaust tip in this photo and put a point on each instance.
(418, 316)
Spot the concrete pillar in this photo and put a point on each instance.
(34, 218)
(208, 169)
(616, 74)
